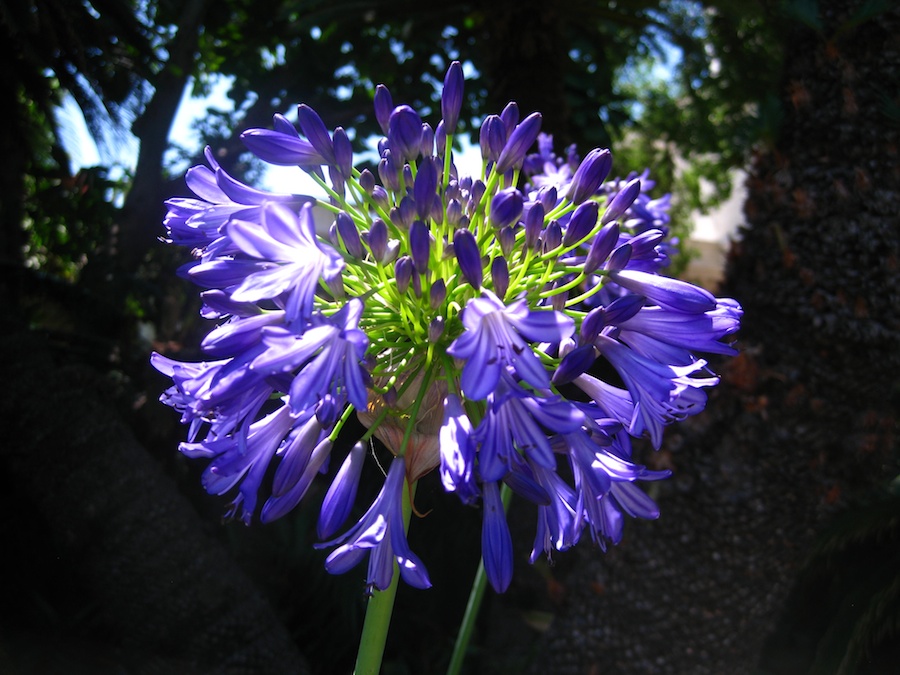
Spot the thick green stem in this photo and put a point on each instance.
(474, 605)
(379, 611)
(468, 622)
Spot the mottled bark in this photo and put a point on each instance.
(804, 423)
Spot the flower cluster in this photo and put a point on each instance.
(460, 318)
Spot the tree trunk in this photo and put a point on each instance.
(143, 209)
(107, 568)
(804, 424)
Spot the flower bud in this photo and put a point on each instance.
(548, 197)
(349, 234)
(419, 245)
(592, 171)
(339, 499)
(416, 283)
(437, 294)
(520, 140)
(506, 207)
(619, 258)
(622, 201)
(333, 234)
(367, 181)
(452, 96)
(336, 180)
(380, 197)
(468, 256)
(283, 125)
(679, 296)
(492, 138)
(405, 213)
(534, 225)
(389, 172)
(377, 239)
(573, 364)
(601, 247)
(403, 270)
(551, 237)
(425, 187)
(282, 149)
(581, 223)
(343, 152)
(454, 211)
(316, 133)
(435, 329)
(507, 239)
(426, 145)
(384, 105)
(440, 139)
(326, 411)
(405, 133)
(476, 192)
(500, 276)
(336, 286)
(510, 116)
(623, 308)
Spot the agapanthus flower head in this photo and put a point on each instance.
(452, 315)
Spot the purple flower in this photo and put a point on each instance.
(494, 339)
(601, 479)
(242, 458)
(380, 534)
(673, 294)
(339, 499)
(222, 394)
(327, 357)
(290, 241)
(197, 223)
(316, 132)
(282, 146)
(295, 352)
(303, 455)
(661, 393)
(457, 447)
(515, 420)
(675, 335)
(496, 542)
(558, 522)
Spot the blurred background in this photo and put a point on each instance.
(774, 125)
